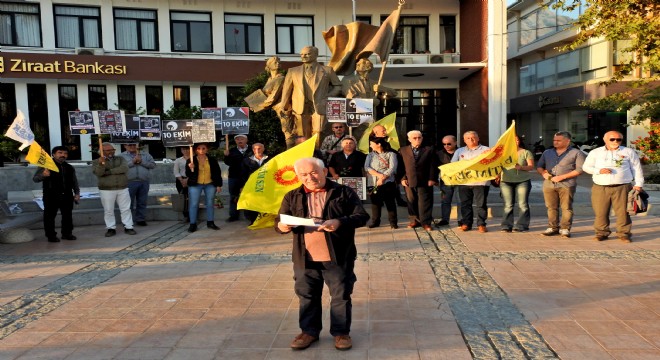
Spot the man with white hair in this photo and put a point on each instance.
(324, 253)
(614, 168)
(421, 174)
(475, 193)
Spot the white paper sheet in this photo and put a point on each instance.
(296, 221)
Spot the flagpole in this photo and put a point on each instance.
(384, 61)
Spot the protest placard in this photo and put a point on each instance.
(111, 121)
(150, 127)
(235, 120)
(351, 111)
(82, 123)
(177, 133)
(203, 131)
(359, 184)
(131, 133)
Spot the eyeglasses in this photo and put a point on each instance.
(337, 127)
(447, 144)
(615, 139)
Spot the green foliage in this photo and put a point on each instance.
(265, 126)
(649, 146)
(9, 149)
(635, 23)
(652, 178)
(182, 113)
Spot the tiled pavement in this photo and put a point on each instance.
(445, 294)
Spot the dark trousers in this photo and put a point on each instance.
(183, 190)
(386, 194)
(473, 196)
(447, 195)
(234, 194)
(309, 288)
(139, 191)
(420, 204)
(51, 205)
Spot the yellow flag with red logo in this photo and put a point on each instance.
(504, 155)
(38, 156)
(266, 187)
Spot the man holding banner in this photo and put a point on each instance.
(473, 193)
(60, 191)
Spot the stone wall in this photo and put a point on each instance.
(19, 178)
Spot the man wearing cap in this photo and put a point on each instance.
(139, 168)
(234, 159)
(614, 168)
(60, 191)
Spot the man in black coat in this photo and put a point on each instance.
(234, 159)
(60, 191)
(324, 253)
(421, 174)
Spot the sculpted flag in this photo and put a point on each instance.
(266, 187)
(389, 123)
(37, 156)
(486, 166)
(381, 43)
(20, 131)
(345, 42)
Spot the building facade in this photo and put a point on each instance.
(150, 55)
(545, 84)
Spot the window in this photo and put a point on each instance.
(528, 29)
(126, 96)
(364, 18)
(209, 96)
(234, 93)
(38, 113)
(293, 33)
(181, 96)
(7, 105)
(19, 24)
(68, 101)
(545, 73)
(191, 32)
(154, 100)
(244, 34)
(136, 29)
(98, 99)
(448, 34)
(77, 26)
(411, 36)
(527, 75)
(568, 68)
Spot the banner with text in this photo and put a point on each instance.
(131, 133)
(351, 111)
(229, 120)
(203, 131)
(177, 133)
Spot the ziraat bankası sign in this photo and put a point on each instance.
(20, 65)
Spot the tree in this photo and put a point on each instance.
(635, 23)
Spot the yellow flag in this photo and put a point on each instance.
(266, 187)
(263, 221)
(504, 155)
(37, 156)
(389, 122)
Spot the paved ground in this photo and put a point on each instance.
(444, 294)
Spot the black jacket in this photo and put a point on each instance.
(216, 173)
(62, 183)
(249, 166)
(234, 160)
(343, 204)
(419, 172)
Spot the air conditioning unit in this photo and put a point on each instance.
(436, 59)
(402, 60)
(89, 51)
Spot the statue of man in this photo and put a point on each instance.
(360, 86)
(305, 92)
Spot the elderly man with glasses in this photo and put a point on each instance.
(614, 168)
(560, 166)
(449, 145)
(139, 169)
(332, 143)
